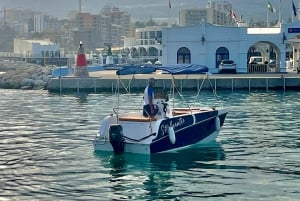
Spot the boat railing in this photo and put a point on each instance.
(132, 114)
(120, 110)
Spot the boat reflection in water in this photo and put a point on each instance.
(81, 97)
(156, 176)
(195, 156)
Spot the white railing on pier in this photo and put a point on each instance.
(9, 54)
(261, 68)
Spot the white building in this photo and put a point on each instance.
(146, 45)
(36, 48)
(208, 44)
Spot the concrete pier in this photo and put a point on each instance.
(107, 81)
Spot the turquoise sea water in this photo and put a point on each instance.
(46, 151)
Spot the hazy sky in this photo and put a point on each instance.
(145, 9)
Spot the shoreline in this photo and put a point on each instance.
(21, 75)
(107, 80)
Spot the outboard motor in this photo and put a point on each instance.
(116, 138)
(162, 108)
(165, 109)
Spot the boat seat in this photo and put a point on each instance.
(180, 111)
(137, 118)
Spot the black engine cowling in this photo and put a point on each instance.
(116, 138)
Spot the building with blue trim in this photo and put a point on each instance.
(208, 44)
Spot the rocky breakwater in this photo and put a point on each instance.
(21, 75)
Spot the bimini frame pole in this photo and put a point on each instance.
(118, 94)
(173, 91)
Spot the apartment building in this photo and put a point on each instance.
(215, 13)
(104, 29)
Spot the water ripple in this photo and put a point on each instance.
(46, 151)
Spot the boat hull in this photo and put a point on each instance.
(187, 129)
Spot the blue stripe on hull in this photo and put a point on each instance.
(186, 132)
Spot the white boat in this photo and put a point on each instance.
(127, 130)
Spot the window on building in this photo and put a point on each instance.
(159, 34)
(222, 53)
(142, 52)
(57, 54)
(145, 35)
(183, 56)
(153, 51)
(152, 34)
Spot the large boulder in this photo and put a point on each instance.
(27, 82)
(20, 75)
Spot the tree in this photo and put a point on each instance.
(151, 23)
(139, 24)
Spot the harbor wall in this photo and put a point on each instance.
(135, 83)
